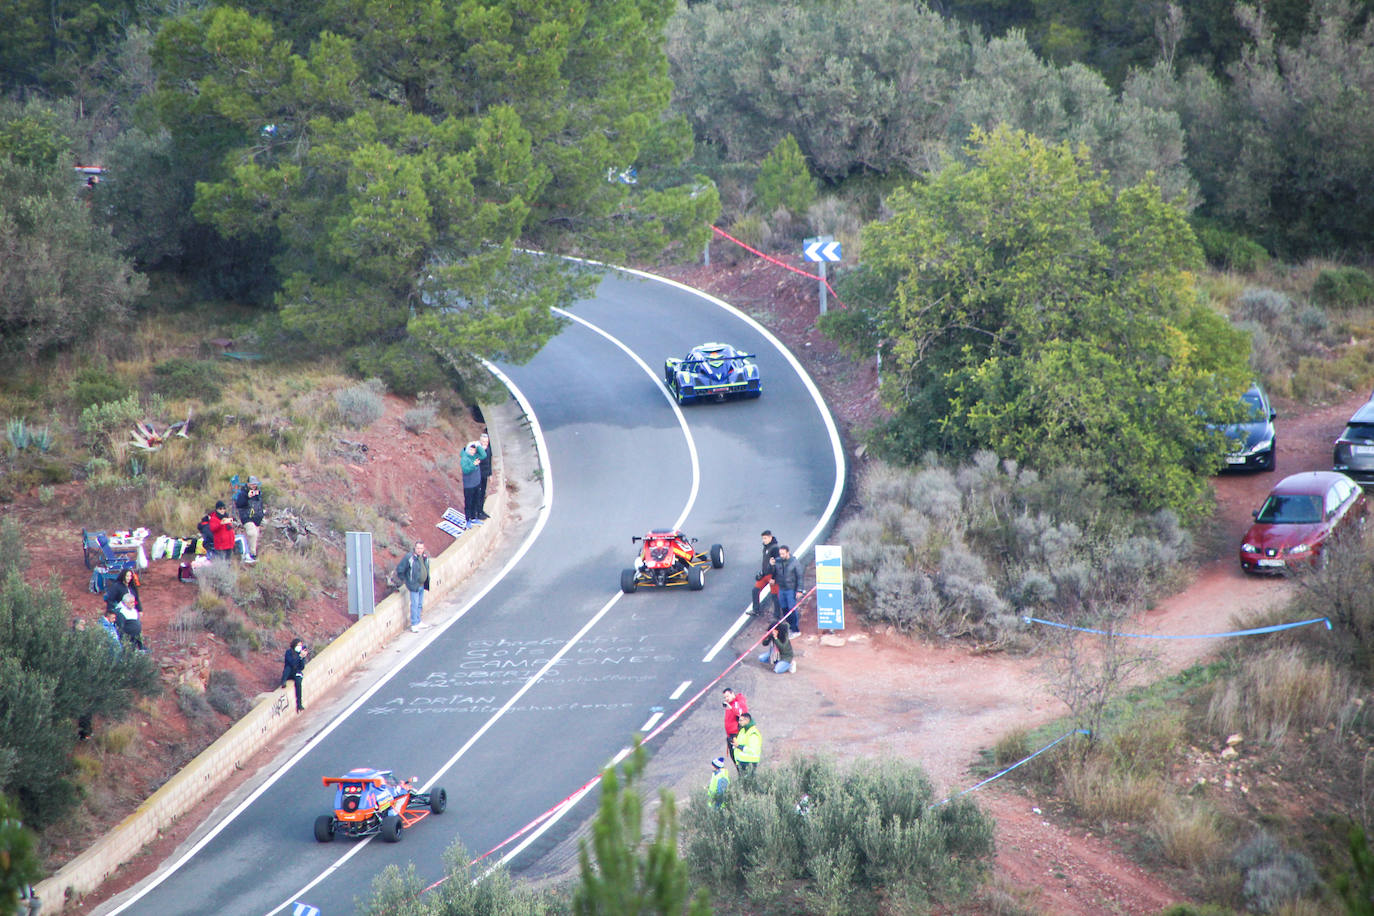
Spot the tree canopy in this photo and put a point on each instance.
(393, 154)
(1024, 306)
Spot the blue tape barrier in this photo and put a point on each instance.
(1251, 632)
(1076, 731)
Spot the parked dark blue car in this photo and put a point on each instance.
(1251, 441)
(714, 371)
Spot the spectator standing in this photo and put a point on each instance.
(770, 556)
(293, 668)
(130, 621)
(125, 583)
(413, 571)
(221, 532)
(484, 444)
(748, 746)
(720, 782)
(779, 652)
(471, 463)
(787, 575)
(734, 704)
(248, 507)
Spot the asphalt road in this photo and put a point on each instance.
(532, 688)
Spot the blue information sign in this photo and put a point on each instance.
(829, 587)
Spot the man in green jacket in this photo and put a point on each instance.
(748, 746)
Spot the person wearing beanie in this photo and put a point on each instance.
(720, 782)
(248, 508)
(221, 532)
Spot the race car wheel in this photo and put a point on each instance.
(717, 556)
(324, 828)
(696, 578)
(438, 801)
(683, 395)
(391, 829)
(629, 581)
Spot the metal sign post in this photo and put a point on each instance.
(358, 557)
(821, 249)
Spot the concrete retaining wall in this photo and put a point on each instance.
(274, 711)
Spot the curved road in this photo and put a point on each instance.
(534, 686)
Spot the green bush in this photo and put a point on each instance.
(1230, 250)
(361, 405)
(407, 368)
(224, 696)
(784, 180)
(189, 378)
(863, 835)
(104, 418)
(1273, 874)
(1343, 287)
(96, 386)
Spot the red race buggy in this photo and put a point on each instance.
(668, 558)
(369, 802)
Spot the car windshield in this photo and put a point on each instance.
(1279, 509)
(1359, 431)
(1254, 407)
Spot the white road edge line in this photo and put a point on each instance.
(519, 554)
(651, 722)
(836, 446)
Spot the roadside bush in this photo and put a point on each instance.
(278, 582)
(1188, 833)
(224, 696)
(189, 378)
(863, 835)
(218, 576)
(1343, 287)
(405, 368)
(100, 420)
(420, 418)
(1273, 874)
(964, 551)
(361, 405)
(193, 705)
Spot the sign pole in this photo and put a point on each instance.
(821, 269)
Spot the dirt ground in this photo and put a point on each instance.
(878, 694)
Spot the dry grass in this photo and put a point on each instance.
(1189, 833)
(1279, 691)
(117, 739)
(1099, 792)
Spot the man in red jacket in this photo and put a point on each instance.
(735, 705)
(222, 532)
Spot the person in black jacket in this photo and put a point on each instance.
(248, 507)
(770, 556)
(787, 576)
(125, 583)
(293, 668)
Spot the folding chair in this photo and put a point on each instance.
(96, 551)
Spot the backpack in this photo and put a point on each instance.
(207, 536)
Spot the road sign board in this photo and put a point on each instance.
(821, 249)
(829, 587)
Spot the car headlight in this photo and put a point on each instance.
(1300, 548)
(1261, 446)
(1249, 548)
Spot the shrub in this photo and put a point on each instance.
(418, 419)
(407, 368)
(189, 378)
(1343, 287)
(784, 180)
(870, 829)
(1188, 834)
(117, 739)
(100, 420)
(223, 694)
(96, 386)
(278, 582)
(361, 405)
(193, 705)
(1101, 792)
(218, 576)
(1273, 875)
(1230, 250)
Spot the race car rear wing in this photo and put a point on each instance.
(707, 362)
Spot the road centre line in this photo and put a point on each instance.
(681, 689)
(651, 722)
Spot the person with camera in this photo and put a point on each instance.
(293, 668)
(735, 705)
(248, 507)
(471, 463)
(221, 528)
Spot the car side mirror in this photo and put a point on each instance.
(1254, 513)
(1273, 415)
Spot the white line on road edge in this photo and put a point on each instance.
(651, 722)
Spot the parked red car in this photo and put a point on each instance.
(1300, 516)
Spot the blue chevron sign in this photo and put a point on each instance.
(823, 248)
